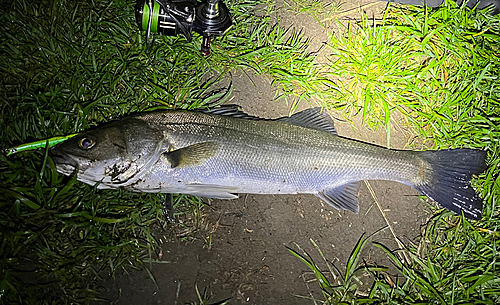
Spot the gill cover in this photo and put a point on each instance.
(112, 154)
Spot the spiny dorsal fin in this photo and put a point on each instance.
(343, 197)
(312, 118)
(195, 154)
(232, 111)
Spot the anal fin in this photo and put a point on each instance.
(344, 197)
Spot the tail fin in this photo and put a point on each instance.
(450, 186)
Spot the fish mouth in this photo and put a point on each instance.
(65, 164)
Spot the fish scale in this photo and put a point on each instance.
(220, 155)
(272, 152)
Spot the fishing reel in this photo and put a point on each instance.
(173, 17)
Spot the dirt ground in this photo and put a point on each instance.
(248, 260)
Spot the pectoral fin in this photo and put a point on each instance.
(195, 154)
(343, 197)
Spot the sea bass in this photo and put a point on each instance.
(223, 152)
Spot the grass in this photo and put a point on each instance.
(67, 66)
(317, 8)
(433, 66)
(455, 263)
(439, 69)
(204, 298)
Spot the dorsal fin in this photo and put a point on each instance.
(230, 110)
(312, 118)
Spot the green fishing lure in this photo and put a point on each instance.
(38, 144)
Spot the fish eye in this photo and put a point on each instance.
(86, 143)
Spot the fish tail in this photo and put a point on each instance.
(448, 181)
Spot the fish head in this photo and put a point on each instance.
(111, 155)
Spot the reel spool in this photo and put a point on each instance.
(171, 18)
